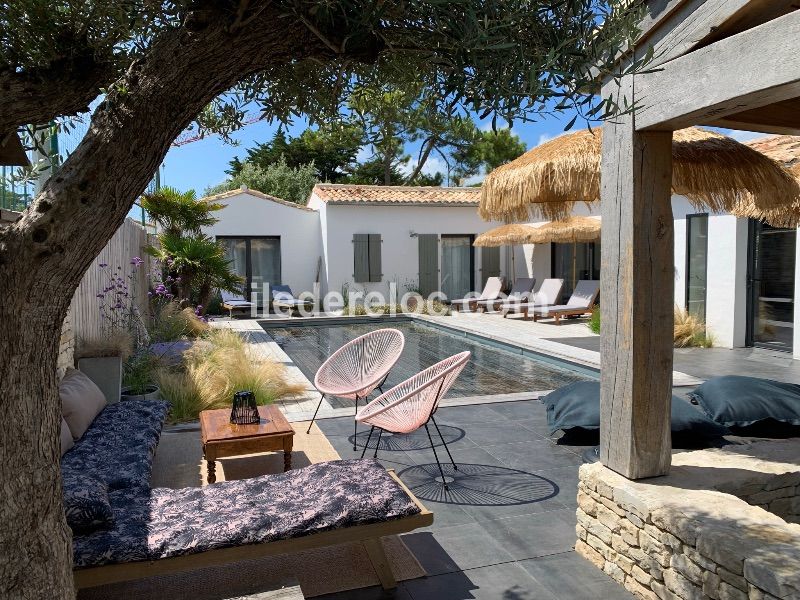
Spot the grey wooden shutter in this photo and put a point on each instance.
(490, 263)
(375, 266)
(428, 263)
(360, 257)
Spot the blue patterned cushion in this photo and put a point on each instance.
(161, 523)
(119, 446)
(86, 504)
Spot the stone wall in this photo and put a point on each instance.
(686, 536)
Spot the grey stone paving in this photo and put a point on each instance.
(506, 529)
(705, 363)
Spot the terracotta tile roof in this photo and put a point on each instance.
(783, 148)
(395, 194)
(257, 194)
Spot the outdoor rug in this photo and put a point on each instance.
(178, 463)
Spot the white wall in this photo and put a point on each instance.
(245, 214)
(400, 251)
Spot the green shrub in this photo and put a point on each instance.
(594, 321)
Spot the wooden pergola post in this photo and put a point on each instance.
(637, 296)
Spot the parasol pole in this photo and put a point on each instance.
(513, 265)
(574, 262)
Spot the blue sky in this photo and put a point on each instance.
(203, 163)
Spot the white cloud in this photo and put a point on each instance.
(546, 137)
(433, 165)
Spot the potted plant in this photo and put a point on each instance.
(139, 374)
(101, 361)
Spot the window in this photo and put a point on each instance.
(696, 264)
(367, 258)
(256, 259)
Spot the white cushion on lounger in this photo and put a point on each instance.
(81, 401)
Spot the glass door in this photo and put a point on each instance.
(696, 264)
(574, 262)
(771, 286)
(265, 263)
(256, 259)
(457, 265)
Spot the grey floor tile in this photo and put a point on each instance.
(529, 536)
(485, 434)
(532, 409)
(534, 455)
(572, 577)
(496, 582)
(455, 548)
(461, 415)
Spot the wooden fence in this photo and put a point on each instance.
(129, 241)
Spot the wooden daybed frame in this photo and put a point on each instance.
(368, 534)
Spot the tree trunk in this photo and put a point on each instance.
(430, 144)
(387, 169)
(35, 560)
(44, 255)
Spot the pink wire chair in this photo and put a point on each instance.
(411, 404)
(359, 367)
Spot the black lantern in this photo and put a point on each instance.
(245, 410)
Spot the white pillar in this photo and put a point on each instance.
(726, 283)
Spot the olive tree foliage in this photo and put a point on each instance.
(157, 67)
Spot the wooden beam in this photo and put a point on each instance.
(781, 118)
(637, 297)
(751, 69)
(696, 23)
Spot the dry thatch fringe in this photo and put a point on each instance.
(115, 343)
(509, 234)
(546, 181)
(711, 170)
(567, 231)
(690, 331)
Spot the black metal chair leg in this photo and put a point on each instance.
(369, 437)
(355, 426)
(436, 456)
(321, 398)
(455, 466)
(380, 433)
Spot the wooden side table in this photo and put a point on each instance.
(221, 438)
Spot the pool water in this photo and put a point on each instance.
(490, 371)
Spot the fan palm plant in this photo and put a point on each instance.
(179, 212)
(198, 264)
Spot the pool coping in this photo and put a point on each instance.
(579, 359)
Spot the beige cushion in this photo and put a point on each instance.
(66, 437)
(81, 401)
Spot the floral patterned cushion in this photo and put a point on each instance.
(161, 523)
(86, 504)
(119, 446)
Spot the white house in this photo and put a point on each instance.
(268, 239)
(740, 275)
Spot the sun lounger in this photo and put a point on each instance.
(282, 297)
(491, 291)
(580, 303)
(548, 294)
(521, 291)
(231, 302)
(168, 531)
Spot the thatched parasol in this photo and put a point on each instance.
(710, 169)
(506, 235)
(513, 233)
(572, 230)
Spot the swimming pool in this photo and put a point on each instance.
(492, 370)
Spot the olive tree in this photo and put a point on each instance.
(156, 68)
